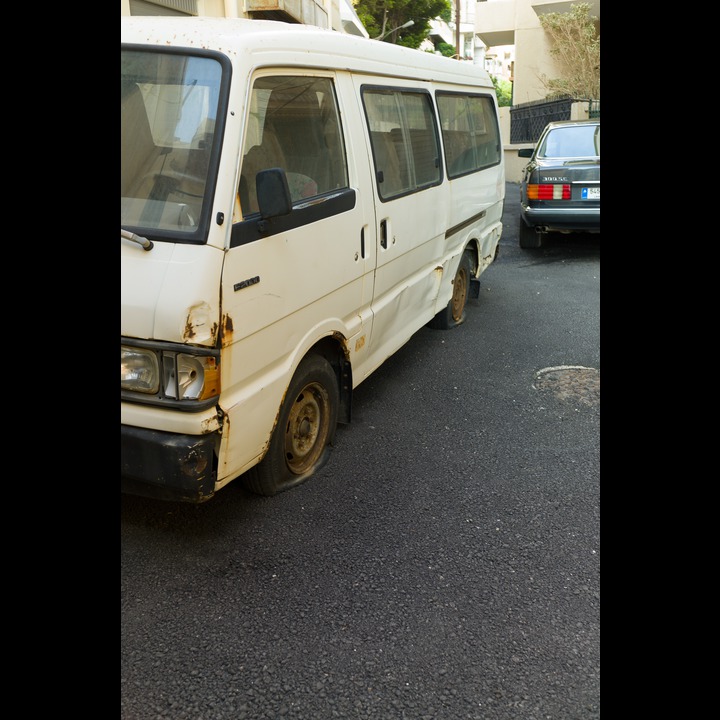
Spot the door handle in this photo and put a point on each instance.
(383, 234)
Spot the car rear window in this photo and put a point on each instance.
(576, 141)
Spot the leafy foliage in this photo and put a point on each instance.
(446, 49)
(575, 42)
(379, 16)
(503, 90)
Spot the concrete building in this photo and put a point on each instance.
(504, 36)
(517, 23)
(507, 25)
(335, 14)
(471, 49)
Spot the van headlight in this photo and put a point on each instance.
(168, 374)
(139, 370)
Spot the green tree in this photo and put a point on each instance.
(503, 90)
(379, 16)
(446, 49)
(575, 42)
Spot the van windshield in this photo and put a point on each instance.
(168, 110)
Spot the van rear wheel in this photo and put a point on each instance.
(454, 313)
(305, 428)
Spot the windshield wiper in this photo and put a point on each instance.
(139, 239)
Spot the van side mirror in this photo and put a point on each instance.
(525, 152)
(273, 193)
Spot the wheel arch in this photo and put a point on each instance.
(334, 348)
(473, 248)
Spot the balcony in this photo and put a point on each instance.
(307, 12)
(542, 7)
(495, 22)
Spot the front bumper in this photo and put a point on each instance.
(167, 466)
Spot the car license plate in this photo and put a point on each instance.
(590, 193)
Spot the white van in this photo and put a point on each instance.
(295, 204)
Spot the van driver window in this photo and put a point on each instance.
(294, 124)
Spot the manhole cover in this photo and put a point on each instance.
(571, 383)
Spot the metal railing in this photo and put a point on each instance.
(527, 120)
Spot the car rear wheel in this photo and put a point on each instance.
(529, 237)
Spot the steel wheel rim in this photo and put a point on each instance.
(307, 428)
(459, 294)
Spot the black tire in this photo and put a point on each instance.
(529, 237)
(454, 314)
(306, 427)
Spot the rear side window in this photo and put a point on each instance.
(404, 140)
(293, 124)
(470, 132)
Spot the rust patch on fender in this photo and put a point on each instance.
(227, 330)
(198, 327)
(343, 344)
(210, 425)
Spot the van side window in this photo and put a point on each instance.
(471, 135)
(404, 140)
(293, 124)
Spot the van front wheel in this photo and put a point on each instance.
(305, 429)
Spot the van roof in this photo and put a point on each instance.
(297, 44)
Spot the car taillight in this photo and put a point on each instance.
(548, 192)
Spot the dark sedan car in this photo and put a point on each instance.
(560, 186)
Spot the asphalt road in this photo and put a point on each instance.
(443, 565)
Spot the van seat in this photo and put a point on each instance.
(268, 154)
(387, 163)
(138, 147)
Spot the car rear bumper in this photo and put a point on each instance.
(554, 219)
